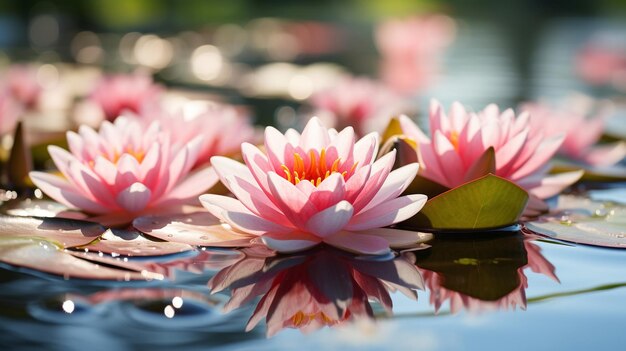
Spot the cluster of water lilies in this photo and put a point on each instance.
(320, 185)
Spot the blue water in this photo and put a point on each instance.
(127, 316)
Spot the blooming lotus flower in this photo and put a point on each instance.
(294, 295)
(581, 132)
(221, 127)
(124, 169)
(602, 63)
(22, 83)
(460, 140)
(358, 102)
(116, 94)
(9, 113)
(411, 50)
(317, 187)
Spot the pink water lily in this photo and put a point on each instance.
(364, 104)
(118, 93)
(582, 131)
(411, 49)
(10, 111)
(222, 128)
(124, 169)
(317, 187)
(459, 142)
(21, 82)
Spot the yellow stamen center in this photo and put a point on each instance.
(315, 168)
(301, 318)
(454, 139)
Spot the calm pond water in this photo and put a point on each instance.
(490, 292)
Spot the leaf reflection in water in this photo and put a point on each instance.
(482, 273)
(324, 287)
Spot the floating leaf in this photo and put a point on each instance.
(67, 232)
(132, 243)
(583, 221)
(487, 202)
(40, 208)
(46, 257)
(609, 195)
(200, 229)
(615, 173)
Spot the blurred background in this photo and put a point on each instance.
(272, 56)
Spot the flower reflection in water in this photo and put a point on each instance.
(324, 287)
(481, 274)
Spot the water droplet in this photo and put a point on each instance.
(68, 306)
(170, 235)
(114, 254)
(169, 312)
(100, 254)
(177, 302)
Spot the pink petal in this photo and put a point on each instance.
(410, 129)
(355, 184)
(255, 200)
(606, 155)
(331, 220)
(238, 216)
(540, 157)
(106, 170)
(553, 185)
(344, 143)
(506, 155)
(395, 184)
(290, 243)
(314, 136)
(226, 167)
(387, 213)
(430, 165)
(449, 159)
(134, 198)
(61, 158)
(358, 243)
(291, 201)
(329, 192)
(278, 149)
(380, 171)
(193, 185)
(397, 238)
(61, 191)
(366, 149)
(257, 163)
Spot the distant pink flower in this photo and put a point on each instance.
(124, 169)
(411, 49)
(361, 103)
(9, 113)
(602, 64)
(457, 143)
(294, 295)
(581, 131)
(21, 82)
(119, 93)
(221, 127)
(314, 187)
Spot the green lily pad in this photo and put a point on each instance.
(615, 173)
(583, 221)
(48, 257)
(485, 203)
(67, 232)
(118, 242)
